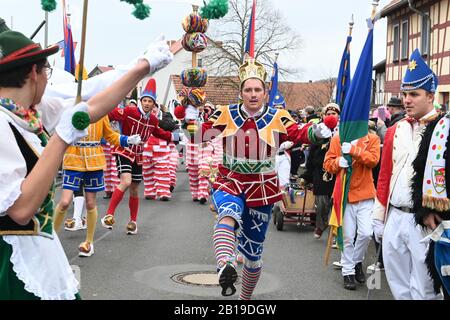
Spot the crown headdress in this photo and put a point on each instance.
(251, 69)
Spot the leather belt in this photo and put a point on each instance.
(404, 209)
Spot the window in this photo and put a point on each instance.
(396, 39)
(405, 38)
(200, 63)
(425, 33)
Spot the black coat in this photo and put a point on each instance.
(314, 171)
(167, 122)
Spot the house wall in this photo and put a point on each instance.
(439, 45)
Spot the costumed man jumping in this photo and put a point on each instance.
(247, 186)
(134, 121)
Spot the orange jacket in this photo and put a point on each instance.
(365, 155)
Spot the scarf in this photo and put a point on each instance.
(434, 189)
(31, 116)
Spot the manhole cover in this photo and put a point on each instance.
(197, 279)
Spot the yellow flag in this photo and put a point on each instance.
(85, 74)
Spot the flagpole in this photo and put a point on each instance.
(83, 46)
(331, 231)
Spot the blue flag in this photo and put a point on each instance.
(273, 85)
(343, 80)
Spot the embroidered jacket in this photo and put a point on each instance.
(249, 150)
(134, 122)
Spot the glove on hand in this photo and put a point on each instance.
(158, 55)
(321, 131)
(134, 140)
(65, 128)
(343, 163)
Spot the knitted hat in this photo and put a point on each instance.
(150, 90)
(332, 106)
(17, 50)
(419, 75)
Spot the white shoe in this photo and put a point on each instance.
(86, 249)
(74, 224)
(375, 267)
(337, 265)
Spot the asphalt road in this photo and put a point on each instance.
(176, 237)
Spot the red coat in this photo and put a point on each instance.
(134, 122)
(249, 150)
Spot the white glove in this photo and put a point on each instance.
(321, 131)
(158, 55)
(134, 140)
(192, 113)
(285, 146)
(66, 130)
(378, 229)
(343, 163)
(346, 147)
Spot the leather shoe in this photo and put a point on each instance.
(349, 282)
(359, 273)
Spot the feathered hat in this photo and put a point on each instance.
(419, 75)
(149, 90)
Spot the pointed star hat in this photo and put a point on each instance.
(419, 75)
(149, 90)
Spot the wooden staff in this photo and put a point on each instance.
(83, 46)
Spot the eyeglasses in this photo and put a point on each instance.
(48, 70)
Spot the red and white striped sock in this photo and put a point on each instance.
(250, 278)
(224, 244)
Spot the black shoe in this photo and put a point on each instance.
(164, 199)
(202, 201)
(108, 195)
(227, 278)
(171, 188)
(195, 200)
(359, 273)
(349, 282)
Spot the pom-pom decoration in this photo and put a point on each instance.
(141, 11)
(194, 23)
(48, 5)
(81, 120)
(195, 97)
(215, 9)
(331, 122)
(194, 78)
(180, 112)
(194, 42)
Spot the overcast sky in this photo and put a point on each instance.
(115, 36)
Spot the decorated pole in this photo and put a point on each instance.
(195, 41)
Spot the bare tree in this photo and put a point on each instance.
(320, 93)
(229, 36)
